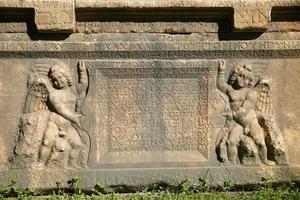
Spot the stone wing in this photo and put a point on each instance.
(264, 95)
(36, 99)
(273, 136)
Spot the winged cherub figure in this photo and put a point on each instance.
(56, 97)
(63, 100)
(243, 99)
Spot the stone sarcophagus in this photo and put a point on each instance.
(118, 94)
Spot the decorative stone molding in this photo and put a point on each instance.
(59, 15)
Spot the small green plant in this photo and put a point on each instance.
(203, 185)
(10, 190)
(28, 192)
(266, 183)
(185, 187)
(75, 187)
(99, 189)
(228, 186)
(59, 190)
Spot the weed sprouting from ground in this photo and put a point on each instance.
(99, 189)
(75, 186)
(10, 190)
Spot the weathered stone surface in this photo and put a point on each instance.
(53, 16)
(147, 27)
(131, 102)
(251, 17)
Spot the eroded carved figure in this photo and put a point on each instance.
(250, 130)
(50, 132)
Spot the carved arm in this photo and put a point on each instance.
(221, 83)
(83, 78)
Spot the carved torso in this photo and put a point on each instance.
(65, 98)
(237, 99)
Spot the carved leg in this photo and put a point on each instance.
(257, 133)
(73, 156)
(223, 148)
(48, 141)
(76, 145)
(232, 142)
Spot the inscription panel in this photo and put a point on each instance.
(249, 17)
(55, 15)
(155, 111)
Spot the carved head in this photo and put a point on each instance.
(60, 76)
(241, 77)
(233, 76)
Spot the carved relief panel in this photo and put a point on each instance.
(50, 132)
(250, 130)
(148, 113)
(100, 114)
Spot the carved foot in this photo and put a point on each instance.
(38, 165)
(269, 162)
(226, 163)
(229, 163)
(74, 167)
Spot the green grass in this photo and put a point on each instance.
(161, 191)
(258, 195)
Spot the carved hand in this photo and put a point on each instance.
(239, 112)
(222, 65)
(83, 78)
(246, 130)
(81, 66)
(77, 119)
